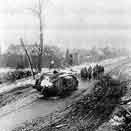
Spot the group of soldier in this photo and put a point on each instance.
(92, 72)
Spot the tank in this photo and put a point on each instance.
(57, 84)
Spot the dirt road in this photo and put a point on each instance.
(32, 105)
(33, 108)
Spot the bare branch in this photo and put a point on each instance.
(34, 11)
(42, 3)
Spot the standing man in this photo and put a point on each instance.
(51, 64)
(89, 73)
(70, 59)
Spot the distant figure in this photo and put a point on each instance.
(98, 71)
(51, 64)
(89, 73)
(84, 73)
(70, 59)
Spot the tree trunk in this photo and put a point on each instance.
(41, 43)
(40, 54)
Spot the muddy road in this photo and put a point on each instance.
(25, 104)
(30, 107)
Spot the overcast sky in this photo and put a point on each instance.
(69, 23)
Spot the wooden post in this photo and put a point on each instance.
(28, 57)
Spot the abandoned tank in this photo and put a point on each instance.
(57, 84)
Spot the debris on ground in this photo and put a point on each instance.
(14, 95)
(17, 74)
(90, 110)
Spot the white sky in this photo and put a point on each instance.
(69, 23)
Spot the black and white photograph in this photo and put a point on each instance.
(65, 65)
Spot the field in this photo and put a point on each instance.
(20, 102)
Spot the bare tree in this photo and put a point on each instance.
(38, 11)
